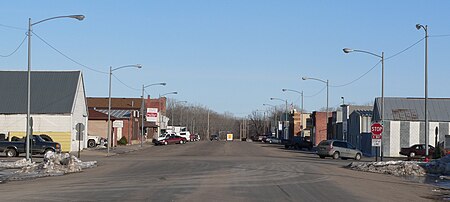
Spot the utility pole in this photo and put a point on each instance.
(207, 131)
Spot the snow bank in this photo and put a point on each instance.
(405, 168)
(16, 164)
(53, 165)
(397, 168)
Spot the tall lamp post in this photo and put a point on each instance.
(427, 132)
(301, 110)
(275, 113)
(30, 25)
(286, 116)
(327, 83)
(160, 96)
(349, 50)
(142, 108)
(111, 69)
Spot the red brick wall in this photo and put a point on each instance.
(320, 127)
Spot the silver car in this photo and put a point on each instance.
(338, 149)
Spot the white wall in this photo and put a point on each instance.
(394, 138)
(43, 122)
(79, 115)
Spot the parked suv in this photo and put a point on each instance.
(338, 149)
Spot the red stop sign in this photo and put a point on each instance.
(376, 129)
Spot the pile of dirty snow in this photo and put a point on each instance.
(16, 164)
(53, 165)
(397, 168)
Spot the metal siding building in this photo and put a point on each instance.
(58, 103)
(404, 122)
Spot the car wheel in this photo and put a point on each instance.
(270, 142)
(91, 143)
(165, 143)
(336, 155)
(181, 141)
(11, 152)
(322, 157)
(358, 157)
(412, 154)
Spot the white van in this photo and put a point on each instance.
(185, 134)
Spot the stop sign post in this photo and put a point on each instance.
(376, 130)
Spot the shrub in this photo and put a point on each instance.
(122, 141)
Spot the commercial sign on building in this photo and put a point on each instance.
(117, 124)
(152, 115)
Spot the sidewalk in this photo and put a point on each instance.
(120, 149)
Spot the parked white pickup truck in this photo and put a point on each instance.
(94, 141)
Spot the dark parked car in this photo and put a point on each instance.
(39, 146)
(298, 142)
(417, 150)
(173, 139)
(214, 137)
(46, 137)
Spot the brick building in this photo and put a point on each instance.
(125, 112)
(318, 127)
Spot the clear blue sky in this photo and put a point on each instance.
(232, 56)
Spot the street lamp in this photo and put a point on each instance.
(142, 107)
(427, 132)
(286, 116)
(109, 100)
(301, 110)
(30, 25)
(349, 50)
(276, 116)
(327, 83)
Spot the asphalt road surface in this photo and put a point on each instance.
(217, 171)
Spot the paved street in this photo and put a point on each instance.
(216, 171)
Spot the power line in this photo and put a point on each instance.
(396, 54)
(55, 49)
(404, 49)
(125, 84)
(337, 86)
(15, 49)
(441, 35)
(316, 93)
(12, 27)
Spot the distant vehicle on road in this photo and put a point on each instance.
(173, 139)
(162, 137)
(298, 142)
(417, 150)
(214, 137)
(338, 149)
(185, 134)
(272, 140)
(39, 146)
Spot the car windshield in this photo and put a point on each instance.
(324, 143)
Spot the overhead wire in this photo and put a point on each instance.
(440, 35)
(69, 58)
(125, 83)
(20, 45)
(404, 49)
(12, 27)
(316, 93)
(372, 68)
